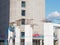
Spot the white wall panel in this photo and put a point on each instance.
(28, 35)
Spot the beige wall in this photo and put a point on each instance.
(15, 10)
(35, 9)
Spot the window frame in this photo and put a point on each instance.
(23, 21)
(23, 12)
(23, 4)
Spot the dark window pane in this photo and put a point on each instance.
(36, 42)
(23, 4)
(23, 12)
(22, 42)
(22, 34)
(23, 21)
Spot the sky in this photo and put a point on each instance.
(53, 10)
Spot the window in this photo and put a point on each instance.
(23, 13)
(36, 42)
(23, 4)
(23, 21)
(22, 34)
(22, 42)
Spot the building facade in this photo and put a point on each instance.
(32, 12)
(28, 12)
(23, 12)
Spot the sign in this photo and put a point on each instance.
(36, 35)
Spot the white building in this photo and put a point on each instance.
(30, 12)
(51, 33)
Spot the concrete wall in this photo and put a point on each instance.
(15, 10)
(35, 9)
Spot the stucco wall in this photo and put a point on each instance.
(35, 9)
